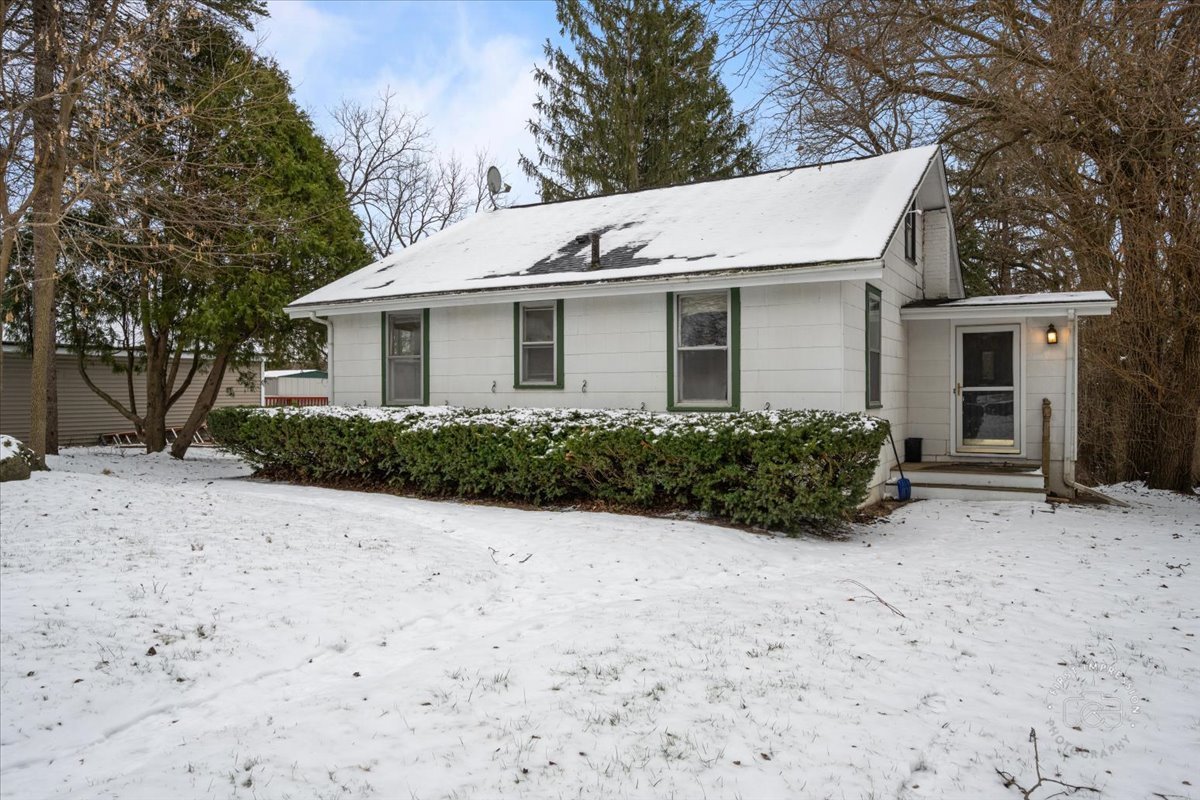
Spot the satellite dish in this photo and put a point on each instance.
(496, 184)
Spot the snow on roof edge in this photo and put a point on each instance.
(1032, 299)
(566, 285)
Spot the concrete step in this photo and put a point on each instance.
(934, 476)
(951, 491)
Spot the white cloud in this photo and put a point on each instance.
(474, 87)
(299, 33)
(476, 97)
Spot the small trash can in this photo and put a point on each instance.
(912, 450)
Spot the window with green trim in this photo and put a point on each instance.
(538, 335)
(404, 357)
(703, 364)
(874, 347)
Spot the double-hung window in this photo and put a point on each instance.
(538, 331)
(910, 233)
(404, 355)
(704, 346)
(874, 346)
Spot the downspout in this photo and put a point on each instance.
(328, 349)
(262, 382)
(1070, 437)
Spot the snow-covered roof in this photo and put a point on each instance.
(824, 214)
(1043, 303)
(1041, 297)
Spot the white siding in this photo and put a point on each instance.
(297, 387)
(935, 227)
(1045, 377)
(792, 346)
(357, 359)
(930, 385)
(616, 344)
(791, 353)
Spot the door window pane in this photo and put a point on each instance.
(987, 359)
(703, 320)
(988, 418)
(703, 375)
(537, 363)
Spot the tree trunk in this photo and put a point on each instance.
(204, 404)
(155, 434)
(52, 403)
(47, 199)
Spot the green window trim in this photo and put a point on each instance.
(383, 359)
(910, 233)
(559, 360)
(735, 356)
(877, 294)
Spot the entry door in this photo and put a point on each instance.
(988, 404)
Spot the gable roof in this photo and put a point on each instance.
(842, 212)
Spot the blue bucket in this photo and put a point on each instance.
(904, 489)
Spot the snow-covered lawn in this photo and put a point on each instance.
(175, 630)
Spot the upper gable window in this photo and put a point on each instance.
(910, 232)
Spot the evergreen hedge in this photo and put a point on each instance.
(777, 469)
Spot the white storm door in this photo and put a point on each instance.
(987, 389)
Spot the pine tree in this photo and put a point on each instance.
(637, 104)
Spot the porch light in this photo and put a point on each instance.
(1051, 335)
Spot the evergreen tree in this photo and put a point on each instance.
(637, 104)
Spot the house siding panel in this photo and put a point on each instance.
(936, 232)
(357, 360)
(83, 417)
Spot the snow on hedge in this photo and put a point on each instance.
(9, 447)
(557, 420)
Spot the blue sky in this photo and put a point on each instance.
(467, 66)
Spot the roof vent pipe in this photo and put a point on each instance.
(595, 237)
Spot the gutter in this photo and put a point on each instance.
(328, 323)
(1087, 308)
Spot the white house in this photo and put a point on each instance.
(834, 286)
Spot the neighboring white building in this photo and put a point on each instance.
(295, 387)
(833, 287)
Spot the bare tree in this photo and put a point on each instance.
(1074, 130)
(399, 186)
